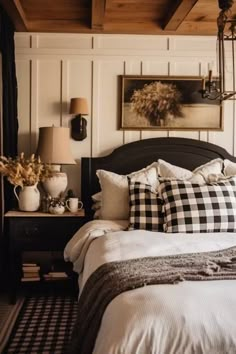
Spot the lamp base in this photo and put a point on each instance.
(56, 185)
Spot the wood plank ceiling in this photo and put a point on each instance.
(188, 17)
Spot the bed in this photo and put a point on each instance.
(164, 283)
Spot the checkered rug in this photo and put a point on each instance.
(8, 316)
(44, 325)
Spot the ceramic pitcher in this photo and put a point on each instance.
(28, 198)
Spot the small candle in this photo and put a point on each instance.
(203, 83)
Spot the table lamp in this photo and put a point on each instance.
(54, 148)
(79, 107)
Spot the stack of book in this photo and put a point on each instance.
(30, 272)
(55, 276)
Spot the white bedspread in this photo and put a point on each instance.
(190, 317)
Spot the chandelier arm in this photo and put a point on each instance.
(223, 64)
(216, 89)
(233, 60)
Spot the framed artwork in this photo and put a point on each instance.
(167, 103)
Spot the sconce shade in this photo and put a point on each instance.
(78, 106)
(54, 145)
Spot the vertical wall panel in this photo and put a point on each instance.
(183, 67)
(234, 129)
(184, 134)
(65, 99)
(34, 98)
(105, 121)
(49, 92)
(225, 138)
(23, 69)
(203, 135)
(95, 108)
(77, 82)
(155, 67)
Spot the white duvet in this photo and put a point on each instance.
(189, 317)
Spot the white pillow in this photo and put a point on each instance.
(210, 171)
(96, 206)
(115, 190)
(167, 170)
(97, 197)
(213, 167)
(229, 168)
(97, 215)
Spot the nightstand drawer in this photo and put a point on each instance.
(38, 234)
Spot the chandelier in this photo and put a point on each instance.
(223, 87)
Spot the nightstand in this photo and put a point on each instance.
(36, 231)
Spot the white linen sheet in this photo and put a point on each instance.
(197, 317)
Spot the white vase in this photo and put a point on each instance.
(55, 185)
(28, 198)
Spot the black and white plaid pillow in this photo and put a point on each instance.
(199, 208)
(145, 207)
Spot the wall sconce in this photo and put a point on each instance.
(79, 107)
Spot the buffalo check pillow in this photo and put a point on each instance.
(145, 207)
(192, 208)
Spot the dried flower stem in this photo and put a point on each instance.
(24, 172)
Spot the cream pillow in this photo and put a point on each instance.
(167, 170)
(210, 171)
(96, 206)
(96, 214)
(213, 167)
(115, 190)
(97, 197)
(229, 168)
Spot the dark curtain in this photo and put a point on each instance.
(9, 121)
(9, 96)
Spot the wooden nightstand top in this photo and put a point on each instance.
(38, 214)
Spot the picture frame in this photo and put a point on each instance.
(166, 103)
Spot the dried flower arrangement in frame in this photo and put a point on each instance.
(166, 103)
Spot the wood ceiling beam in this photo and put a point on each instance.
(16, 14)
(178, 14)
(98, 14)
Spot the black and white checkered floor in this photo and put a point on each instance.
(44, 325)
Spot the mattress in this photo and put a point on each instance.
(189, 317)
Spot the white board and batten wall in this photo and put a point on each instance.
(52, 68)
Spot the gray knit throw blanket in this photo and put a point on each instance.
(111, 279)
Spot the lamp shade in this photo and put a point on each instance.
(54, 145)
(78, 106)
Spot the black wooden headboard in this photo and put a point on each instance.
(187, 153)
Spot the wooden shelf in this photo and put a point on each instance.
(16, 213)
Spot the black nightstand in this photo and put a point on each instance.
(35, 231)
